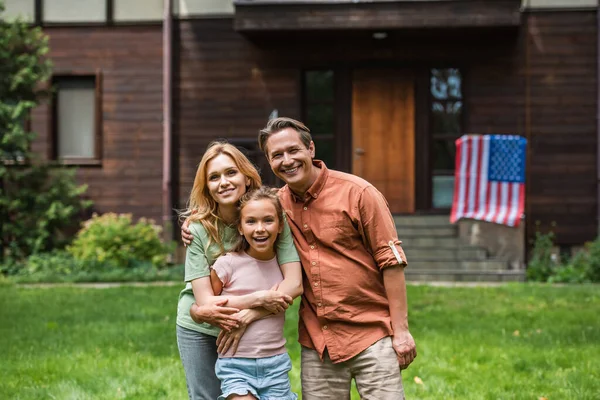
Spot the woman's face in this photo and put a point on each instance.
(226, 184)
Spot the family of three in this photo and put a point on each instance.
(326, 235)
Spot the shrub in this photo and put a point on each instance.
(574, 271)
(541, 263)
(593, 257)
(38, 201)
(115, 239)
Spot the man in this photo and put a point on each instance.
(353, 316)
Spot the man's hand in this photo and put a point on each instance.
(405, 348)
(186, 234)
(274, 301)
(215, 314)
(231, 339)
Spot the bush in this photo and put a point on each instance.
(540, 266)
(115, 239)
(38, 201)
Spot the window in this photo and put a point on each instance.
(77, 109)
(446, 108)
(24, 9)
(75, 11)
(138, 10)
(319, 106)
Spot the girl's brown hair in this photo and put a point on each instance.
(201, 206)
(262, 193)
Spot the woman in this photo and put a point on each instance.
(223, 176)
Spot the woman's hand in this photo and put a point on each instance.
(274, 301)
(216, 314)
(231, 339)
(186, 234)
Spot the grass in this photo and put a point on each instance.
(512, 342)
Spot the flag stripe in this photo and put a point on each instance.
(483, 192)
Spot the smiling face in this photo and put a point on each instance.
(291, 160)
(225, 183)
(260, 224)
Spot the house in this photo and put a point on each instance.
(386, 87)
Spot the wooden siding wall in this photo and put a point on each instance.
(130, 60)
(563, 67)
(544, 87)
(225, 88)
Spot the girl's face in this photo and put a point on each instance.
(226, 184)
(260, 225)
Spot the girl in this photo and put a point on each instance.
(223, 176)
(260, 367)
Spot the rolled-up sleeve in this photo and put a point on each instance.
(379, 229)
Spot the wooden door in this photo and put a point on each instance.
(383, 134)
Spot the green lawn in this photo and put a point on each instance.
(512, 342)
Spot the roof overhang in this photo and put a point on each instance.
(297, 15)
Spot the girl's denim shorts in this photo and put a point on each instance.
(265, 378)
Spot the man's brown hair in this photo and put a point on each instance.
(278, 124)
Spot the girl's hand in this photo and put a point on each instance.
(186, 234)
(231, 339)
(215, 314)
(274, 301)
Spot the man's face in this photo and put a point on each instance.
(290, 160)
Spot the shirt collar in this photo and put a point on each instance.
(317, 185)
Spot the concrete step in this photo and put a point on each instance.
(434, 253)
(422, 220)
(441, 265)
(431, 242)
(426, 231)
(450, 275)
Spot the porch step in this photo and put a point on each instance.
(458, 253)
(450, 275)
(442, 265)
(422, 220)
(429, 242)
(435, 253)
(430, 231)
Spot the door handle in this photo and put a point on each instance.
(359, 151)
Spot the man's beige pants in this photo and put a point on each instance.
(375, 370)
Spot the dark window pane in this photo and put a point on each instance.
(319, 85)
(320, 119)
(444, 154)
(447, 117)
(325, 151)
(446, 84)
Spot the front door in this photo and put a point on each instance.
(383, 133)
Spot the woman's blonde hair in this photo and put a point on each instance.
(262, 193)
(201, 206)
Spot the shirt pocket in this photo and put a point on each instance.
(340, 233)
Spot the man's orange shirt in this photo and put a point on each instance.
(344, 234)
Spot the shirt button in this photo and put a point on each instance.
(319, 305)
(305, 225)
(314, 263)
(305, 208)
(325, 327)
(312, 247)
(316, 284)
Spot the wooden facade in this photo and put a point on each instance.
(535, 75)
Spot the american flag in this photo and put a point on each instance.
(489, 180)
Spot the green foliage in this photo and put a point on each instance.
(115, 239)
(38, 202)
(544, 266)
(541, 263)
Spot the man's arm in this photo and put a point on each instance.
(403, 342)
(379, 231)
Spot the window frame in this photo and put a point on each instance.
(434, 135)
(96, 160)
